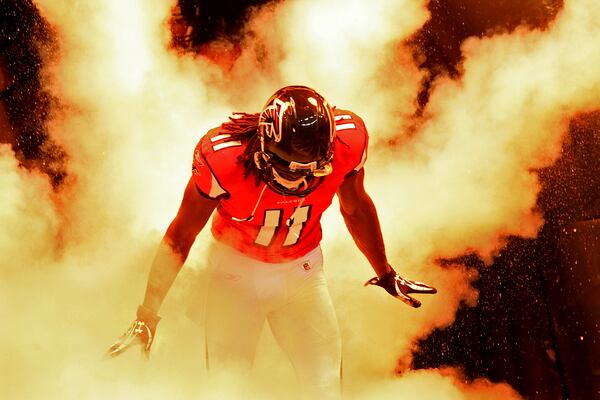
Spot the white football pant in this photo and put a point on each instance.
(293, 297)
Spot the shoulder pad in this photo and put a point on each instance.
(215, 163)
(352, 133)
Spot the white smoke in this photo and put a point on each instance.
(76, 261)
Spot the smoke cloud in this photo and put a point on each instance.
(467, 179)
(74, 263)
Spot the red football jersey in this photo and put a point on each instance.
(258, 221)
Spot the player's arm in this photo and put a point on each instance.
(360, 216)
(193, 213)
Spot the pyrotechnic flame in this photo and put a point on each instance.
(133, 112)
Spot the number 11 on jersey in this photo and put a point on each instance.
(273, 221)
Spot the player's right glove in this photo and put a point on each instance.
(400, 287)
(141, 332)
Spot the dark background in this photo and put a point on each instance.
(536, 323)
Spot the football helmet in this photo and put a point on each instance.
(296, 131)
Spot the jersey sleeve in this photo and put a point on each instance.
(351, 129)
(363, 153)
(206, 182)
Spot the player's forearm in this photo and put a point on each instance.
(191, 218)
(364, 227)
(166, 265)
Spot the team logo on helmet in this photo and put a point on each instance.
(271, 119)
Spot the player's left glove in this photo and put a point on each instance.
(140, 332)
(400, 287)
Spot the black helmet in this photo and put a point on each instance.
(296, 131)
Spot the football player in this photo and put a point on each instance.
(266, 180)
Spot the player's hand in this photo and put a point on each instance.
(400, 287)
(141, 332)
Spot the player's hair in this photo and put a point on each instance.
(244, 126)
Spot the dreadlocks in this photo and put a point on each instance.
(244, 127)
